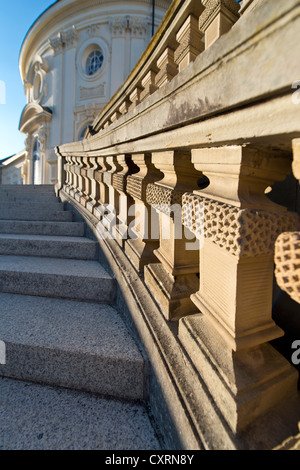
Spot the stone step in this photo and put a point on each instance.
(16, 213)
(30, 206)
(72, 229)
(48, 246)
(38, 188)
(53, 277)
(36, 417)
(8, 197)
(77, 345)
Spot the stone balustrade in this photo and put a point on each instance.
(182, 202)
(206, 21)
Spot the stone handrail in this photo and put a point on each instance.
(172, 178)
(189, 27)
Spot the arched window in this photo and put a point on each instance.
(36, 163)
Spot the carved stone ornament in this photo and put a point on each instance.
(136, 25)
(57, 44)
(162, 199)
(69, 37)
(287, 259)
(241, 232)
(214, 7)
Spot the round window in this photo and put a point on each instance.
(94, 61)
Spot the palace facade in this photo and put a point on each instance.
(72, 60)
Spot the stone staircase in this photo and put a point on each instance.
(72, 377)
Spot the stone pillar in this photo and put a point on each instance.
(148, 84)
(125, 201)
(86, 187)
(62, 175)
(103, 188)
(287, 246)
(135, 97)
(228, 340)
(79, 196)
(143, 239)
(167, 67)
(92, 184)
(111, 209)
(190, 43)
(217, 18)
(74, 177)
(174, 278)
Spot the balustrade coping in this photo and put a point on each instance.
(167, 31)
(228, 50)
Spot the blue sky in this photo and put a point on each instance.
(15, 19)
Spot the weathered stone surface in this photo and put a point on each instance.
(78, 345)
(36, 417)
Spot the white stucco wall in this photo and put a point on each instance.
(61, 98)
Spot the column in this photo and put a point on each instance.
(190, 43)
(228, 341)
(125, 201)
(103, 188)
(174, 278)
(287, 246)
(92, 184)
(217, 18)
(143, 238)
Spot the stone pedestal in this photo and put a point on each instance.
(174, 279)
(245, 376)
(190, 43)
(123, 214)
(92, 184)
(103, 200)
(217, 18)
(144, 229)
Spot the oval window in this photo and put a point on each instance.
(94, 61)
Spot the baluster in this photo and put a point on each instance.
(74, 184)
(190, 43)
(217, 18)
(178, 267)
(115, 116)
(125, 200)
(148, 83)
(80, 181)
(143, 239)
(103, 188)
(68, 179)
(167, 67)
(85, 182)
(109, 219)
(287, 246)
(239, 224)
(94, 190)
(135, 97)
(124, 107)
